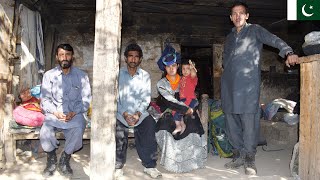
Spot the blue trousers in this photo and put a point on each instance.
(145, 141)
(243, 131)
(178, 116)
(73, 137)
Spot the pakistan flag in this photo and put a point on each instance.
(308, 9)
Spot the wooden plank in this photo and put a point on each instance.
(105, 80)
(309, 150)
(308, 59)
(204, 116)
(273, 4)
(49, 47)
(6, 44)
(151, 7)
(312, 114)
(33, 135)
(9, 143)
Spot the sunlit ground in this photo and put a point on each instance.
(271, 165)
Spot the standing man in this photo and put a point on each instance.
(65, 97)
(240, 84)
(133, 101)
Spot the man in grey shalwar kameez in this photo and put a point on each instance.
(65, 97)
(240, 84)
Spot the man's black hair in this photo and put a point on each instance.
(133, 47)
(66, 47)
(239, 3)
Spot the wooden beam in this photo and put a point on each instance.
(168, 8)
(105, 77)
(6, 42)
(309, 148)
(49, 47)
(308, 59)
(273, 4)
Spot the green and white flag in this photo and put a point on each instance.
(303, 9)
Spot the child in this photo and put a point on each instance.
(28, 113)
(187, 85)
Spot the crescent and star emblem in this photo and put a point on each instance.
(305, 13)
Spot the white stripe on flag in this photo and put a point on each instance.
(292, 9)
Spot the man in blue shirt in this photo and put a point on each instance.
(133, 100)
(65, 97)
(240, 84)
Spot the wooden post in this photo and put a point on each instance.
(205, 113)
(309, 150)
(105, 88)
(6, 43)
(49, 49)
(217, 51)
(10, 145)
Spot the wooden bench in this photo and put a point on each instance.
(12, 135)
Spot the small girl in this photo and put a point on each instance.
(28, 113)
(187, 84)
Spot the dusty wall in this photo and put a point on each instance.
(152, 46)
(79, 32)
(83, 44)
(82, 41)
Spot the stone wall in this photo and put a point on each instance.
(79, 32)
(82, 41)
(152, 46)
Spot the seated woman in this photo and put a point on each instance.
(186, 151)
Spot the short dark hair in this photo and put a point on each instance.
(239, 3)
(66, 47)
(133, 47)
(184, 62)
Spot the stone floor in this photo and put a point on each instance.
(272, 164)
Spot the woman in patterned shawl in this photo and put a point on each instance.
(186, 151)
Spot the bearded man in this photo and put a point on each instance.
(133, 100)
(65, 98)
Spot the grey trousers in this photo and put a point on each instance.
(73, 137)
(243, 131)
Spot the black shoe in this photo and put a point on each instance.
(250, 165)
(64, 165)
(237, 161)
(51, 164)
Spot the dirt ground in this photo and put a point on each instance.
(272, 164)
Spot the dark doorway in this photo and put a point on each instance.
(202, 56)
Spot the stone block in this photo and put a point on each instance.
(279, 132)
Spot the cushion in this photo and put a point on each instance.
(27, 117)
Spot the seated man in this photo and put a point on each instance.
(65, 97)
(134, 98)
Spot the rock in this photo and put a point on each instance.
(312, 43)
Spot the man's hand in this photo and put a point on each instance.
(69, 116)
(189, 112)
(60, 116)
(292, 60)
(135, 118)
